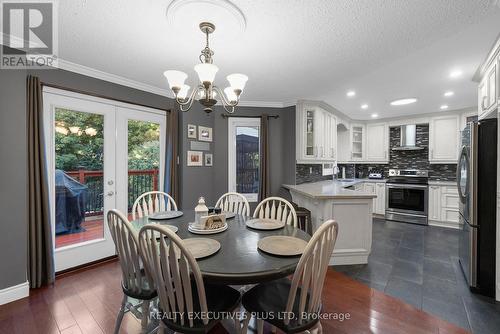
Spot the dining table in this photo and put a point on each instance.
(239, 261)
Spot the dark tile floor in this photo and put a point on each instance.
(419, 265)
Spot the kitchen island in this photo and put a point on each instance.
(352, 209)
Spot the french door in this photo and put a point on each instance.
(101, 155)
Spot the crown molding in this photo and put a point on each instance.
(261, 104)
(91, 72)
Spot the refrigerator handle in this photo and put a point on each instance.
(463, 155)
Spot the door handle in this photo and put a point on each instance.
(110, 193)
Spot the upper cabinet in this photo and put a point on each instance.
(364, 143)
(488, 91)
(377, 142)
(444, 139)
(316, 135)
(358, 142)
(488, 76)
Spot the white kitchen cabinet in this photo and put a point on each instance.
(488, 90)
(316, 135)
(434, 207)
(380, 205)
(377, 189)
(329, 137)
(443, 206)
(377, 142)
(444, 136)
(358, 142)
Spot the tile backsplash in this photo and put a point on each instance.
(418, 159)
(305, 173)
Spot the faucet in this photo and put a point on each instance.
(336, 171)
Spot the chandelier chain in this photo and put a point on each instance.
(206, 53)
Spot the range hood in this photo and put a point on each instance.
(408, 139)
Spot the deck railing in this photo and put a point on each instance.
(139, 182)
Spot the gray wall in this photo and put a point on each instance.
(13, 170)
(210, 182)
(196, 181)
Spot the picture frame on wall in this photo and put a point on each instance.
(194, 158)
(204, 133)
(192, 131)
(209, 159)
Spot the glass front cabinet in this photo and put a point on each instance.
(316, 134)
(357, 142)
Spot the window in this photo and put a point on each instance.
(244, 156)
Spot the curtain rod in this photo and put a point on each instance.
(100, 96)
(246, 116)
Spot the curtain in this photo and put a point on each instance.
(40, 246)
(264, 179)
(172, 168)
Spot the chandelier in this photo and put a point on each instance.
(206, 91)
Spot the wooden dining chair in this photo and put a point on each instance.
(186, 303)
(276, 208)
(234, 202)
(151, 202)
(300, 298)
(136, 282)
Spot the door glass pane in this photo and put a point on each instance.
(143, 159)
(79, 158)
(247, 161)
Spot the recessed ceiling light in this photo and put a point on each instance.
(456, 73)
(351, 93)
(402, 102)
(443, 107)
(374, 115)
(364, 106)
(449, 93)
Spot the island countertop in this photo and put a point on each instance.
(330, 189)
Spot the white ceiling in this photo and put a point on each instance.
(296, 49)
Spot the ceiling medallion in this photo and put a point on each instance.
(206, 91)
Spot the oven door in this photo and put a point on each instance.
(407, 202)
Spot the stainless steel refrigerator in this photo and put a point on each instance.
(477, 185)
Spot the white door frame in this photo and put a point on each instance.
(115, 145)
(233, 123)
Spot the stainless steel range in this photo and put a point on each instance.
(406, 196)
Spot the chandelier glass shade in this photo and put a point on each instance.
(206, 91)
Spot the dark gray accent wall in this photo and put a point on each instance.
(13, 185)
(196, 181)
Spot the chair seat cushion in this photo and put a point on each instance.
(269, 301)
(220, 299)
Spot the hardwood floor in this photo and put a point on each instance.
(87, 302)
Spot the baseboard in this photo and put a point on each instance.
(456, 226)
(15, 292)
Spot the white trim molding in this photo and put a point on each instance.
(91, 72)
(15, 292)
